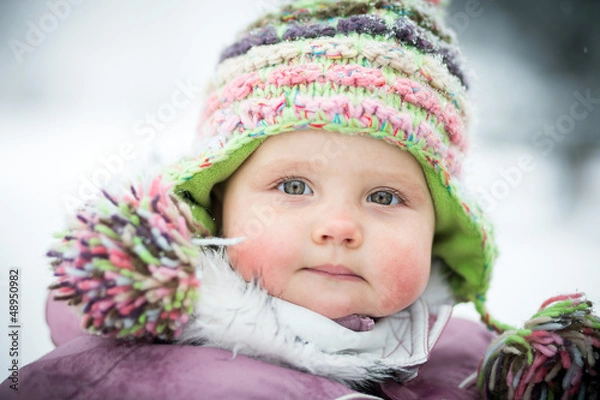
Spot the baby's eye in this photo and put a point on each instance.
(294, 187)
(384, 198)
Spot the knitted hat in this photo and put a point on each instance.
(386, 69)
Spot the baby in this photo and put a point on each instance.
(330, 146)
(333, 264)
(336, 234)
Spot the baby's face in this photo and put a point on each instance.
(337, 224)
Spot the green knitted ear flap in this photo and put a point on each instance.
(459, 239)
(196, 190)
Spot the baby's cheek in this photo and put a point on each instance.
(402, 281)
(246, 260)
(254, 258)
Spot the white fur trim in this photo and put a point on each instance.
(241, 317)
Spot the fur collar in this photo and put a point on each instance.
(239, 316)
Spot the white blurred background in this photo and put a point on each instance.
(78, 85)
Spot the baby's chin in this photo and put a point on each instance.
(337, 305)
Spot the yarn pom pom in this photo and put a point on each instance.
(554, 357)
(129, 264)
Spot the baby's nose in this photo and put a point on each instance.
(340, 230)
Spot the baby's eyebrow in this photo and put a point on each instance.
(276, 168)
(279, 164)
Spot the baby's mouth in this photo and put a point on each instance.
(335, 271)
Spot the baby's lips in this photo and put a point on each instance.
(336, 271)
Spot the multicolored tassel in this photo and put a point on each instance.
(554, 357)
(129, 264)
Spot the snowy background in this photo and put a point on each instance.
(77, 95)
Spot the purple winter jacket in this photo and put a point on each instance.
(89, 367)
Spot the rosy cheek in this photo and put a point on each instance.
(402, 280)
(246, 259)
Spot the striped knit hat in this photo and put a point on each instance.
(388, 69)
